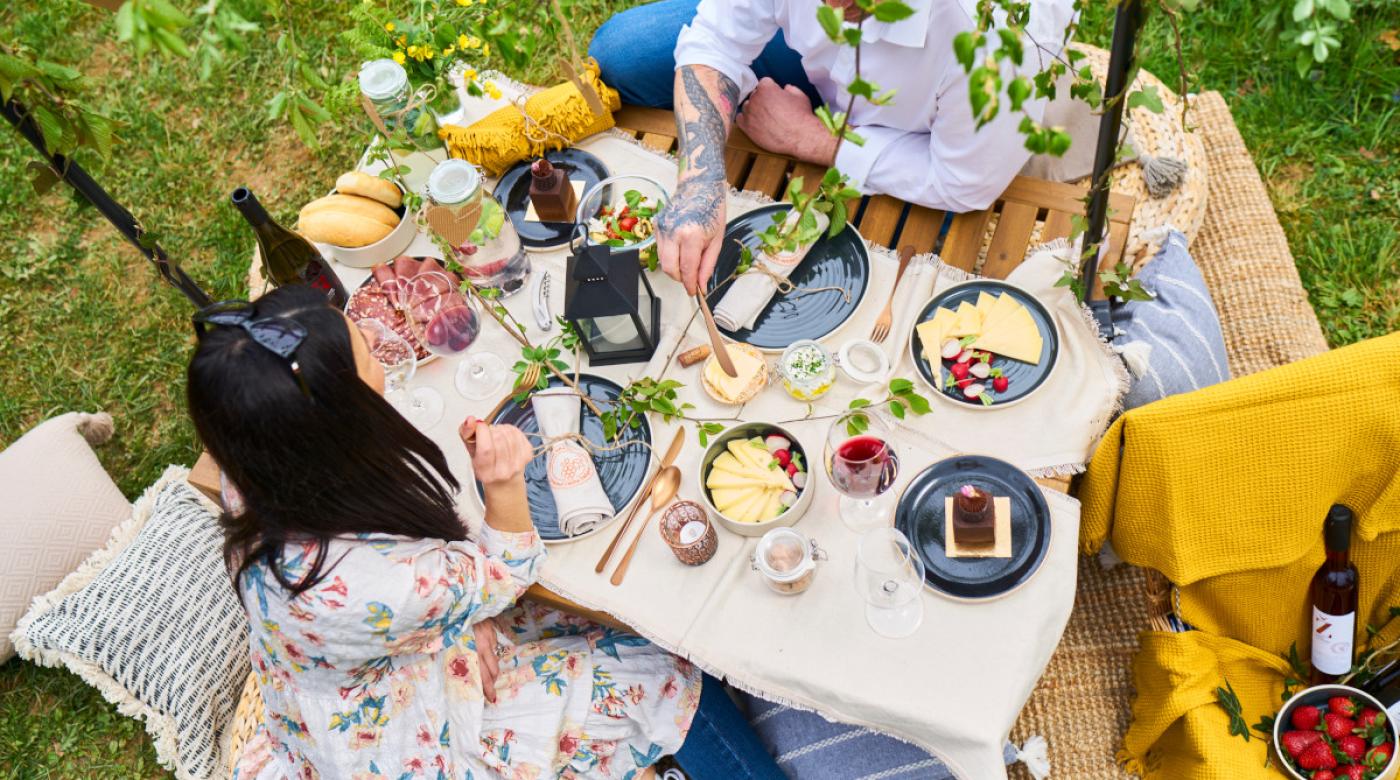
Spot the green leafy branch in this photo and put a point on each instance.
(54, 96)
(901, 399)
(1230, 702)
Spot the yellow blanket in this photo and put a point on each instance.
(1224, 491)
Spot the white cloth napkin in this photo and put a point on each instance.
(751, 292)
(573, 479)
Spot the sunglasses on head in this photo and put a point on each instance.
(279, 335)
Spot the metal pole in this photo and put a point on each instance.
(1126, 23)
(126, 224)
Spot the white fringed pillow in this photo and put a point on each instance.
(152, 621)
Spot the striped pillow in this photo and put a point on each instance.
(1172, 343)
(152, 622)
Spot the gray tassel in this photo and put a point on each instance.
(1162, 175)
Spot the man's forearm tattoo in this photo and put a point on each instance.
(702, 125)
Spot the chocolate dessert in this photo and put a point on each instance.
(551, 193)
(974, 516)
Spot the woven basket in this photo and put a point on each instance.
(1159, 135)
(245, 720)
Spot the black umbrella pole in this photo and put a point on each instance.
(1127, 21)
(73, 173)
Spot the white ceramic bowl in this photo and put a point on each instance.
(383, 250)
(719, 445)
(1315, 696)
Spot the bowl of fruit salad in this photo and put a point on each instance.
(620, 211)
(755, 478)
(1335, 732)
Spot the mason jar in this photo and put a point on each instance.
(492, 255)
(385, 83)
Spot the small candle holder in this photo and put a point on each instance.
(688, 533)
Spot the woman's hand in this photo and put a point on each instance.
(486, 652)
(499, 452)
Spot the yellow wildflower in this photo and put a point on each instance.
(398, 57)
(428, 52)
(463, 41)
(413, 52)
(473, 42)
(486, 50)
(388, 26)
(469, 74)
(401, 41)
(464, 2)
(448, 51)
(492, 90)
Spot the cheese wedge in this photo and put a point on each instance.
(748, 510)
(1005, 304)
(931, 333)
(729, 463)
(726, 499)
(985, 302)
(773, 507)
(753, 455)
(966, 321)
(1016, 338)
(747, 365)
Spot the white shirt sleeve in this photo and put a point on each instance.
(728, 35)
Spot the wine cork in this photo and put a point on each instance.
(694, 355)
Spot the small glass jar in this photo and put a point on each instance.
(689, 533)
(807, 370)
(385, 83)
(492, 255)
(786, 560)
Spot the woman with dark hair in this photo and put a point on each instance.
(385, 642)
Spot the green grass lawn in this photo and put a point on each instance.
(84, 324)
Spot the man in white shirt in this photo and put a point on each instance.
(924, 147)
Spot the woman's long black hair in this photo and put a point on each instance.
(339, 462)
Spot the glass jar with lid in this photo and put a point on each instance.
(492, 255)
(385, 83)
(807, 370)
(786, 560)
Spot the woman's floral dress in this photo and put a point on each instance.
(374, 673)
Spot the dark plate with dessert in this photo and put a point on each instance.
(621, 470)
(921, 516)
(513, 191)
(840, 263)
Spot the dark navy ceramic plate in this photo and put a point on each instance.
(1024, 378)
(622, 471)
(839, 262)
(513, 191)
(920, 518)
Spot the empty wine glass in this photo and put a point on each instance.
(862, 465)
(447, 323)
(422, 406)
(890, 577)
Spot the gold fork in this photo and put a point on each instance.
(882, 324)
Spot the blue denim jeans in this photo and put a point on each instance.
(635, 50)
(721, 744)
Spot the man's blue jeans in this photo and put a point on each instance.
(636, 52)
(721, 744)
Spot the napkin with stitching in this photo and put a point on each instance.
(750, 293)
(573, 479)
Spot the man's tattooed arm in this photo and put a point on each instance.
(706, 102)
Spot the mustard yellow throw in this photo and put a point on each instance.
(1224, 491)
(558, 117)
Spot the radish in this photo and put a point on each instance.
(799, 480)
(951, 348)
(787, 499)
(774, 442)
(980, 370)
(973, 390)
(965, 356)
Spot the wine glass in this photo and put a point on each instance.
(422, 406)
(447, 323)
(862, 465)
(890, 577)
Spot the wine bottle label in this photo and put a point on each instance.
(1332, 640)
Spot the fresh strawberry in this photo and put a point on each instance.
(959, 370)
(1351, 772)
(1296, 742)
(1338, 726)
(791, 468)
(1368, 718)
(784, 457)
(1378, 756)
(1306, 718)
(1353, 746)
(1343, 705)
(1000, 384)
(1323, 774)
(1318, 755)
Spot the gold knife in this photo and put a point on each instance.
(671, 453)
(717, 346)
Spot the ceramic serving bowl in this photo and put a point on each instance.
(1317, 696)
(612, 192)
(720, 444)
(383, 250)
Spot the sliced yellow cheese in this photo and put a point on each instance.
(1005, 304)
(729, 463)
(931, 333)
(748, 510)
(749, 454)
(747, 366)
(966, 321)
(726, 499)
(766, 479)
(773, 508)
(1017, 338)
(985, 302)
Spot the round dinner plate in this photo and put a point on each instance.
(421, 352)
(1024, 378)
(513, 191)
(840, 262)
(921, 517)
(621, 471)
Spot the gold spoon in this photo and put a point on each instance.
(667, 483)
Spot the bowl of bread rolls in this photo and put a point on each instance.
(363, 220)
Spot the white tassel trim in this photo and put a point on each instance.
(1035, 754)
(1135, 356)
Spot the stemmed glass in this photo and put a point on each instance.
(423, 406)
(447, 323)
(890, 577)
(862, 465)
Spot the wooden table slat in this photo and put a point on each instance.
(811, 174)
(921, 229)
(880, 219)
(965, 239)
(768, 175)
(659, 142)
(1057, 225)
(736, 165)
(1060, 196)
(1011, 240)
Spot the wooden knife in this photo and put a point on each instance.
(671, 453)
(717, 346)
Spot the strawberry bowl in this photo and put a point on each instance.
(1335, 732)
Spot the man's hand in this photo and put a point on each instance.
(780, 119)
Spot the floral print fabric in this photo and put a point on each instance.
(373, 673)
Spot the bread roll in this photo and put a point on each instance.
(342, 229)
(353, 204)
(364, 185)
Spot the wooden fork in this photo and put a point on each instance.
(882, 324)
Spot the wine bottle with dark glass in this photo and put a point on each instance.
(1333, 599)
(287, 257)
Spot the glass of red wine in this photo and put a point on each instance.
(447, 322)
(862, 464)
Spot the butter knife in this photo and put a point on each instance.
(670, 458)
(540, 297)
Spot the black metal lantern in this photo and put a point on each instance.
(611, 305)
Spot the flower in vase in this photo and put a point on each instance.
(469, 74)
(464, 2)
(388, 27)
(399, 58)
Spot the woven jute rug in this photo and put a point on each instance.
(1082, 704)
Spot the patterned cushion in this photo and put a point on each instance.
(59, 506)
(1172, 343)
(810, 747)
(153, 623)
